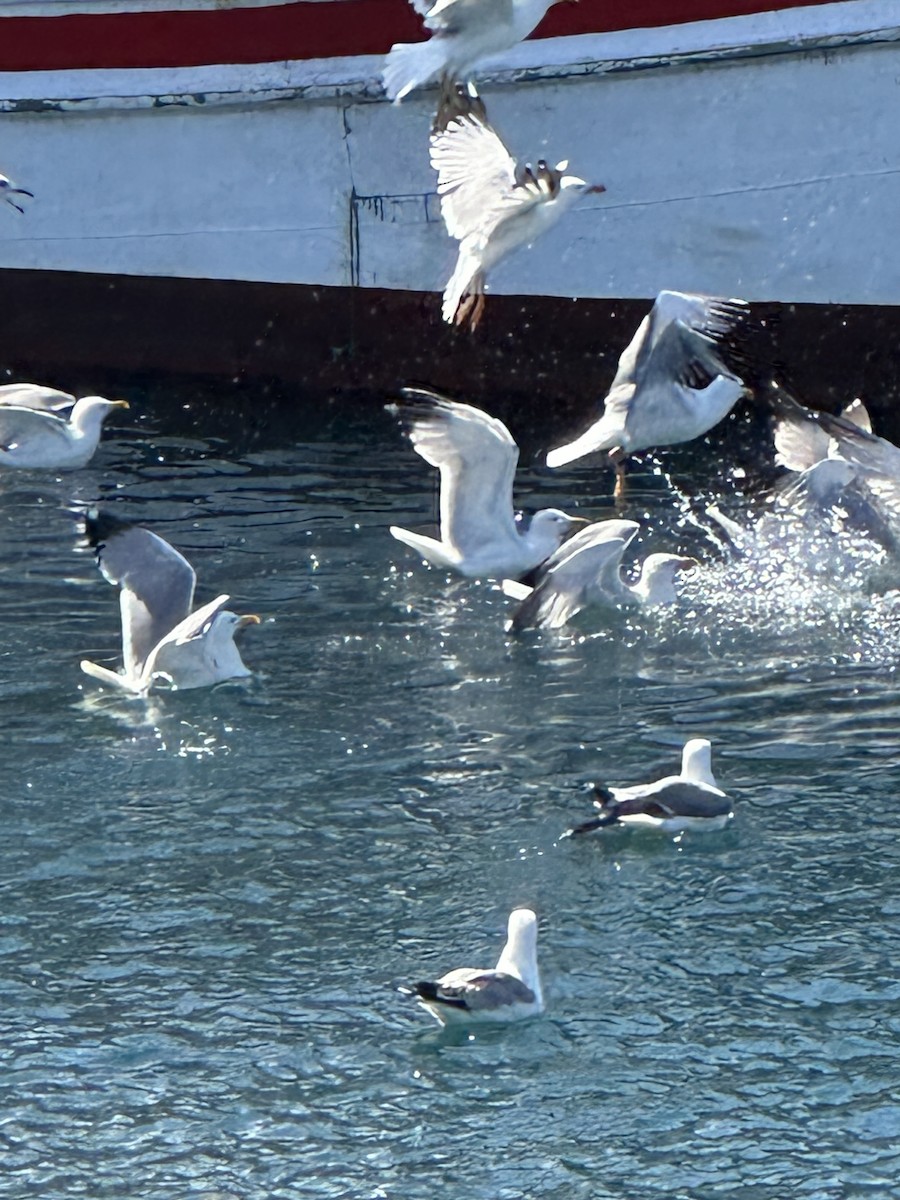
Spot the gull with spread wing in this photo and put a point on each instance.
(672, 382)
(462, 33)
(511, 991)
(162, 640)
(476, 456)
(587, 570)
(490, 203)
(689, 800)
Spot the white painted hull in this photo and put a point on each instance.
(757, 156)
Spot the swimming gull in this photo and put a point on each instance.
(587, 570)
(490, 203)
(162, 640)
(477, 457)
(36, 437)
(511, 991)
(35, 395)
(672, 383)
(462, 33)
(8, 189)
(690, 800)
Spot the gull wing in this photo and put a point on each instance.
(20, 427)
(476, 456)
(588, 562)
(34, 396)
(157, 583)
(710, 319)
(477, 178)
(453, 15)
(676, 799)
(876, 459)
(476, 991)
(800, 442)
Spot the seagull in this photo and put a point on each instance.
(841, 464)
(36, 396)
(477, 457)
(490, 203)
(672, 383)
(162, 640)
(8, 189)
(587, 570)
(36, 437)
(511, 991)
(463, 32)
(691, 800)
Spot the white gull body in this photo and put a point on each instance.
(462, 33)
(32, 436)
(511, 991)
(477, 457)
(162, 640)
(672, 384)
(587, 571)
(490, 204)
(690, 800)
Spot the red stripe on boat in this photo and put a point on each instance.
(300, 30)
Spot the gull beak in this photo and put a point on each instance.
(250, 619)
(576, 522)
(688, 564)
(120, 404)
(595, 189)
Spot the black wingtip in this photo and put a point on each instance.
(427, 990)
(99, 526)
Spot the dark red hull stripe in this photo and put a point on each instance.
(299, 30)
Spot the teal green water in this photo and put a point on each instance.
(208, 899)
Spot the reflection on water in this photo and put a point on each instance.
(208, 898)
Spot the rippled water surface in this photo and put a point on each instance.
(209, 898)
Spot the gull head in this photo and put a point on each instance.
(8, 189)
(519, 955)
(696, 762)
(549, 528)
(658, 575)
(89, 413)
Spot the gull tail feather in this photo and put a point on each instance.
(113, 678)
(593, 440)
(410, 65)
(430, 549)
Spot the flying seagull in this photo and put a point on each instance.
(587, 570)
(511, 991)
(162, 640)
(672, 382)
(490, 203)
(462, 33)
(38, 437)
(690, 800)
(8, 189)
(477, 457)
